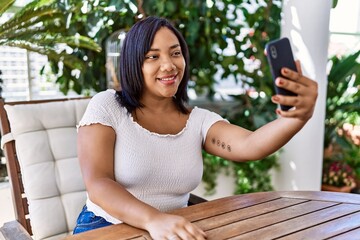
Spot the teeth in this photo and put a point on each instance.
(166, 79)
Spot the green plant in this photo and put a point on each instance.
(211, 28)
(253, 108)
(225, 33)
(96, 19)
(342, 109)
(346, 150)
(42, 26)
(226, 38)
(338, 174)
(248, 176)
(213, 32)
(235, 49)
(343, 95)
(212, 166)
(334, 3)
(352, 157)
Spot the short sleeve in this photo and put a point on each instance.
(102, 109)
(208, 119)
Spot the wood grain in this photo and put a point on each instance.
(267, 215)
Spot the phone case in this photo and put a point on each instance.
(279, 55)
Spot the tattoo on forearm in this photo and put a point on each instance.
(229, 148)
(221, 144)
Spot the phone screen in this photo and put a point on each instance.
(279, 55)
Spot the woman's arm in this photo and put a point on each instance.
(96, 144)
(238, 144)
(96, 155)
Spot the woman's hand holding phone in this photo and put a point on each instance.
(306, 91)
(295, 93)
(279, 55)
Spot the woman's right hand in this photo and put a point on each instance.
(172, 227)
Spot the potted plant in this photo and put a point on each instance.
(343, 95)
(338, 176)
(342, 119)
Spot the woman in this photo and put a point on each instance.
(140, 149)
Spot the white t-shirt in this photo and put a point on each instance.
(159, 169)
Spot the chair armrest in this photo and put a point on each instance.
(194, 199)
(14, 231)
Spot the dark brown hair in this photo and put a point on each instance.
(136, 45)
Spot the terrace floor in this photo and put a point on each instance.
(6, 207)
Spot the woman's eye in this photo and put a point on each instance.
(177, 53)
(151, 57)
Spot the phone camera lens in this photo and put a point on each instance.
(273, 52)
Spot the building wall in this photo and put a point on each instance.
(21, 74)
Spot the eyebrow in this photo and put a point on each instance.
(171, 47)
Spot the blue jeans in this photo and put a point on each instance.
(87, 220)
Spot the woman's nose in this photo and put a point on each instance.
(167, 66)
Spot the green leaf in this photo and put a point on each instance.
(5, 5)
(81, 41)
(31, 27)
(343, 67)
(70, 61)
(170, 7)
(28, 17)
(34, 5)
(334, 3)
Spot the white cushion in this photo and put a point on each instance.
(45, 139)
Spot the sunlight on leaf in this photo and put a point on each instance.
(5, 5)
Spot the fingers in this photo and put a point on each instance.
(298, 67)
(286, 101)
(296, 77)
(196, 232)
(191, 231)
(173, 237)
(290, 74)
(306, 91)
(293, 86)
(295, 82)
(172, 227)
(304, 104)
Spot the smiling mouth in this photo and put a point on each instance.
(168, 78)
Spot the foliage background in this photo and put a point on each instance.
(209, 31)
(343, 107)
(226, 39)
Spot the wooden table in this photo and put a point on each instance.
(266, 215)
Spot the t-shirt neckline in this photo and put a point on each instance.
(167, 134)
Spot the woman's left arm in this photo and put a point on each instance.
(238, 144)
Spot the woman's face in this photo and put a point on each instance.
(164, 65)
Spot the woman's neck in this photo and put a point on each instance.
(164, 105)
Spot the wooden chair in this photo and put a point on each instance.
(39, 142)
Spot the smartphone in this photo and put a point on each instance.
(279, 55)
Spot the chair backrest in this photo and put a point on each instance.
(39, 142)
